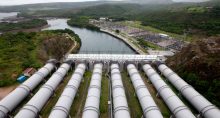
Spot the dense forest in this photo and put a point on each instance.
(193, 19)
(27, 24)
(82, 22)
(190, 18)
(21, 50)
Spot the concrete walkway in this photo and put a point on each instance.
(73, 46)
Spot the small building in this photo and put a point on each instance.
(103, 19)
(163, 35)
(29, 71)
(21, 79)
(111, 20)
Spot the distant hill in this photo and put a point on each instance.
(74, 5)
(151, 1)
(51, 6)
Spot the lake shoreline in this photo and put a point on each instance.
(119, 37)
(93, 41)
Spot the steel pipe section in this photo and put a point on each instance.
(149, 107)
(121, 109)
(11, 101)
(205, 108)
(176, 106)
(63, 105)
(34, 106)
(91, 108)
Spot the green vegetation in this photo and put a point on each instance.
(147, 44)
(196, 9)
(34, 23)
(199, 21)
(70, 32)
(82, 22)
(209, 89)
(80, 98)
(184, 21)
(159, 101)
(191, 18)
(133, 103)
(117, 31)
(21, 50)
(17, 51)
(200, 67)
(104, 97)
(52, 101)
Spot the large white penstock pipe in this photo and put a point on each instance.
(149, 107)
(121, 109)
(205, 108)
(176, 106)
(34, 106)
(63, 105)
(11, 101)
(91, 108)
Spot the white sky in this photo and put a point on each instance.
(18, 2)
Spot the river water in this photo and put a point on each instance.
(93, 42)
(7, 15)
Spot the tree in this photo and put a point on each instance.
(117, 31)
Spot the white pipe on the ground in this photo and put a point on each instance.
(204, 107)
(176, 106)
(91, 108)
(34, 106)
(149, 107)
(11, 101)
(121, 109)
(63, 105)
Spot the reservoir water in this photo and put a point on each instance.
(7, 15)
(93, 42)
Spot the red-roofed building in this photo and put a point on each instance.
(29, 71)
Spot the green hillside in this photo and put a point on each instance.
(21, 50)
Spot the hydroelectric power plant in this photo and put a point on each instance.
(107, 79)
(152, 65)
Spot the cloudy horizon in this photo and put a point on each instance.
(20, 2)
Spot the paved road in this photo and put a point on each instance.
(73, 46)
(125, 40)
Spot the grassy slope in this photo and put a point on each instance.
(104, 97)
(80, 99)
(19, 51)
(82, 22)
(133, 103)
